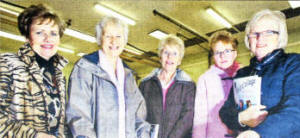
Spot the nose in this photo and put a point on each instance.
(46, 37)
(112, 40)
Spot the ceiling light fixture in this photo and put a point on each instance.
(9, 11)
(12, 36)
(66, 50)
(132, 50)
(158, 34)
(294, 4)
(22, 39)
(81, 54)
(218, 17)
(110, 12)
(80, 35)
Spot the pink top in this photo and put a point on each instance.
(165, 91)
(211, 94)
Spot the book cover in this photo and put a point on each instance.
(247, 91)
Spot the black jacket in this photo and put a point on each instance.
(176, 120)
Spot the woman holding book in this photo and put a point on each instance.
(277, 114)
(169, 92)
(213, 87)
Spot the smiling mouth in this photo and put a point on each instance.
(114, 47)
(47, 46)
(261, 46)
(169, 63)
(223, 62)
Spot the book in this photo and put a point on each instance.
(154, 130)
(247, 91)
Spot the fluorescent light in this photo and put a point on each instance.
(81, 54)
(115, 14)
(9, 11)
(65, 50)
(294, 4)
(214, 14)
(158, 34)
(131, 50)
(12, 36)
(80, 35)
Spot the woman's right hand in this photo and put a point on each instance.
(44, 135)
(253, 115)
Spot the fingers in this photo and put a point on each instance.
(261, 107)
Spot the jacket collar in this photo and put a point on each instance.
(180, 75)
(266, 60)
(28, 56)
(94, 58)
(93, 65)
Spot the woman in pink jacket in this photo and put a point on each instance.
(214, 86)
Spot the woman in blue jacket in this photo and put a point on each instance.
(279, 113)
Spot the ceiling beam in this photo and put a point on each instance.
(199, 37)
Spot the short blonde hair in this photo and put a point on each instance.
(275, 15)
(174, 41)
(224, 37)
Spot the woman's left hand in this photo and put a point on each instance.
(248, 134)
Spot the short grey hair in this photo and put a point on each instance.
(171, 40)
(275, 15)
(108, 20)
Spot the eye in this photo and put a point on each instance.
(39, 32)
(54, 33)
(227, 51)
(217, 53)
(165, 52)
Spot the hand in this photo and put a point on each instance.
(44, 135)
(248, 134)
(253, 115)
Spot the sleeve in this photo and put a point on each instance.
(79, 110)
(184, 125)
(8, 125)
(142, 127)
(229, 113)
(283, 120)
(201, 110)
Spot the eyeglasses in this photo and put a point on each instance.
(264, 34)
(225, 52)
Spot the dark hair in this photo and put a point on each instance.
(224, 37)
(34, 12)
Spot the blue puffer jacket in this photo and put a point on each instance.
(280, 88)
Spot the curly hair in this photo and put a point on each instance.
(37, 12)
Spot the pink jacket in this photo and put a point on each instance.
(211, 94)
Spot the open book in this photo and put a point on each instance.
(247, 91)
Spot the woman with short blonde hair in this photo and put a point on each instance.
(169, 92)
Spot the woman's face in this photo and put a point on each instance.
(170, 58)
(264, 37)
(113, 40)
(44, 38)
(224, 55)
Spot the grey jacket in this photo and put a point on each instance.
(92, 110)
